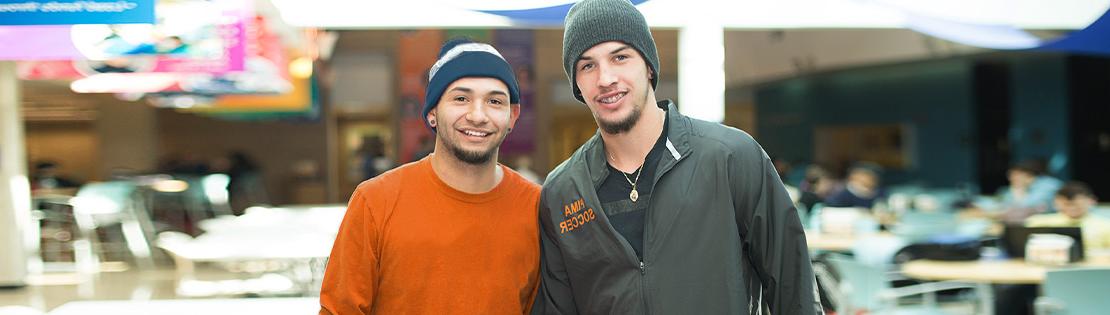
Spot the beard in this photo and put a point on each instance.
(464, 155)
(625, 124)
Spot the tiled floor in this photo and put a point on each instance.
(47, 292)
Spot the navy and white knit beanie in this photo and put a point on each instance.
(461, 58)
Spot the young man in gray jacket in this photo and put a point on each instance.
(659, 213)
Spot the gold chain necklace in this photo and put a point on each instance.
(634, 195)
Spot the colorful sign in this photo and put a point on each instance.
(66, 12)
(190, 36)
(266, 72)
(298, 105)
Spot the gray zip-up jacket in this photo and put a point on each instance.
(720, 231)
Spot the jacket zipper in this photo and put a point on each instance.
(643, 286)
(628, 246)
(643, 266)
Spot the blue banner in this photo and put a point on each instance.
(65, 12)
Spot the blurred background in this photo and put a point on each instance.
(197, 155)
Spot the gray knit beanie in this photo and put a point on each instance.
(592, 22)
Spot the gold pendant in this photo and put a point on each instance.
(634, 195)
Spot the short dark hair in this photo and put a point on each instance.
(1073, 189)
(868, 167)
(45, 165)
(1029, 166)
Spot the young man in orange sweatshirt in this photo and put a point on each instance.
(455, 232)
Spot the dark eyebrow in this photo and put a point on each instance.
(461, 89)
(498, 92)
(620, 49)
(581, 58)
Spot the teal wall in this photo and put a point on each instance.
(936, 98)
(1039, 107)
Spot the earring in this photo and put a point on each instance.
(432, 122)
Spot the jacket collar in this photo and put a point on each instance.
(678, 144)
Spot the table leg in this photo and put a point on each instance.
(986, 298)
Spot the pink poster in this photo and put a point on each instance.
(266, 72)
(190, 36)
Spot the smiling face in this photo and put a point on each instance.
(472, 118)
(615, 82)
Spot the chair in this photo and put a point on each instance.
(864, 287)
(108, 203)
(206, 196)
(199, 198)
(973, 228)
(877, 249)
(1075, 291)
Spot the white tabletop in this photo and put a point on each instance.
(1011, 271)
(262, 233)
(272, 306)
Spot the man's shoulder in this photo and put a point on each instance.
(388, 184)
(390, 179)
(522, 184)
(716, 136)
(565, 171)
(559, 173)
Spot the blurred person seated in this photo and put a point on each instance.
(784, 169)
(45, 176)
(817, 185)
(184, 164)
(1030, 192)
(1073, 203)
(372, 158)
(246, 186)
(861, 190)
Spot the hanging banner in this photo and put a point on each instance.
(266, 72)
(416, 52)
(190, 36)
(301, 102)
(66, 12)
(517, 46)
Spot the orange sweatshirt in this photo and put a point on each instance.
(410, 244)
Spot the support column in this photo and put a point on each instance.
(15, 189)
(701, 70)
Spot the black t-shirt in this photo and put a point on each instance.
(627, 217)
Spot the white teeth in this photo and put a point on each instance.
(612, 99)
(475, 133)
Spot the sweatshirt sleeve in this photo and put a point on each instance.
(350, 278)
(555, 295)
(772, 232)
